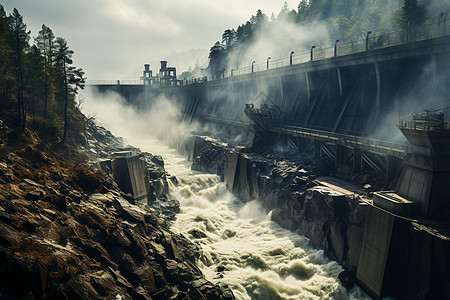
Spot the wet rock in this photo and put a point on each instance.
(32, 183)
(29, 151)
(35, 194)
(171, 271)
(141, 294)
(138, 246)
(29, 296)
(119, 237)
(129, 211)
(158, 160)
(56, 175)
(221, 268)
(8, 235)
(173, 179)
(146, 277)
(197, 234)
(348, 278)
(62, 237)
(129, 197)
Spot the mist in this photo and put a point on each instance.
(159, 119)
(276, 40)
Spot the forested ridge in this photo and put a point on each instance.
(38, 82)
(317, 22)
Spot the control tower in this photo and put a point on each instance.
(166, 76)
(423, 187)
(262, 120)
(147, 75)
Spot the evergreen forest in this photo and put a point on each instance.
(38, 81)
(317, 22)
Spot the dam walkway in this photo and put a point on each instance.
(360, 152)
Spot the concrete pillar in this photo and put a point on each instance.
(316, 149)
(378, 96)
(434, 70)
(231, 163)
(130, 173)
(373, 259)
(302, 144)
(308, 89)
(257, 87)
(245, 92)
(281, 91)
(356, 160)
(391, 167)
(338, 70)
(339, 157)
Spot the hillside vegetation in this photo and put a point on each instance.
(38, 82)
(318, 23)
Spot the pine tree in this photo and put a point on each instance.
(19, 37)
(45, 41)
(34, 78)
(5, 56)
(411, 12)
(70, 78)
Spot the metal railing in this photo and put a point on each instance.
(422, 125)
(114, 82)
(351, 140)
(371, 42)
(346, 138)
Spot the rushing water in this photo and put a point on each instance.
(260, 259)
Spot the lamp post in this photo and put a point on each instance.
(367, 39)
(444, 25)
(312, 52)
(253, 62)
(335, 48)
(232, 72)
(290, 58)
(268, 62)
(408, 31)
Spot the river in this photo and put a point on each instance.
(257, 258)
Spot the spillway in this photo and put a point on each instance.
(240, 246)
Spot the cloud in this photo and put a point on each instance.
(112, 39)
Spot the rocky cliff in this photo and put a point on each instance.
(68, 232)
(333, 214)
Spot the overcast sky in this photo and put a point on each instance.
(112, 39)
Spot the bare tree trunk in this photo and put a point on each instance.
(24, 116)
(65, 104)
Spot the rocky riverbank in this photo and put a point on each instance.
(68, 232)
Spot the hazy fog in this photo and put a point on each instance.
(112, 39)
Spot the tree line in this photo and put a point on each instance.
(38, 81)
(346, 20)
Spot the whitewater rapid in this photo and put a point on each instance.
(259, 259)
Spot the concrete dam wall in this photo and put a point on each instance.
(360, 93)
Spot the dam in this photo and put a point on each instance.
(348, 109)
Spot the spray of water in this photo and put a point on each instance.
(241, 246)
(160, 119)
